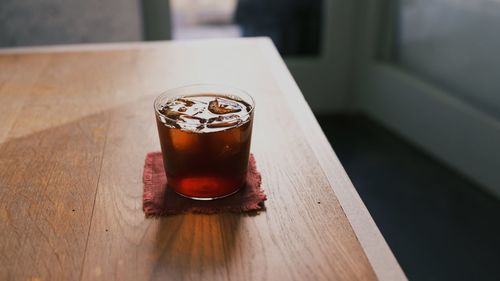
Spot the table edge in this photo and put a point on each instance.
(377, 250)
(113, 46)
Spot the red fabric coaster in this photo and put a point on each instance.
(159, 200)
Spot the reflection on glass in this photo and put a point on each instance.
(454, 43)
(293, 25)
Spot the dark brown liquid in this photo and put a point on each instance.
(205, 140)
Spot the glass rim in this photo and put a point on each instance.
(239, 94)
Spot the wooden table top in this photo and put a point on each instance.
(76, 123)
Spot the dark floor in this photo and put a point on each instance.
(439, 225)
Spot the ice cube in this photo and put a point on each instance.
(187, 142)
(218, 119)
(223, 124)
(192, 120)
(185, 101)
(227, 143)
(223, 106)
(224, 121)
(172, 114)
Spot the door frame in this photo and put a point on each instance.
(156, 23)
(326, 80)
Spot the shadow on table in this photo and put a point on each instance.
(198, 245)
(53, 173)
(50, 169)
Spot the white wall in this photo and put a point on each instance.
(455, 45)
(46, 22)
(327, 81)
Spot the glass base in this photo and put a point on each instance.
(208, 198)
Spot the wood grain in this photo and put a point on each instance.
(81, 144)
(372, 241)
(48, 176)
(16, 81)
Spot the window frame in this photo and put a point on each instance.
(432, 118)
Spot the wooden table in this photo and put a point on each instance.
(76, 123)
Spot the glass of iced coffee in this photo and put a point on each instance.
(205, 133)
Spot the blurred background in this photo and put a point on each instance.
(407, 92)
